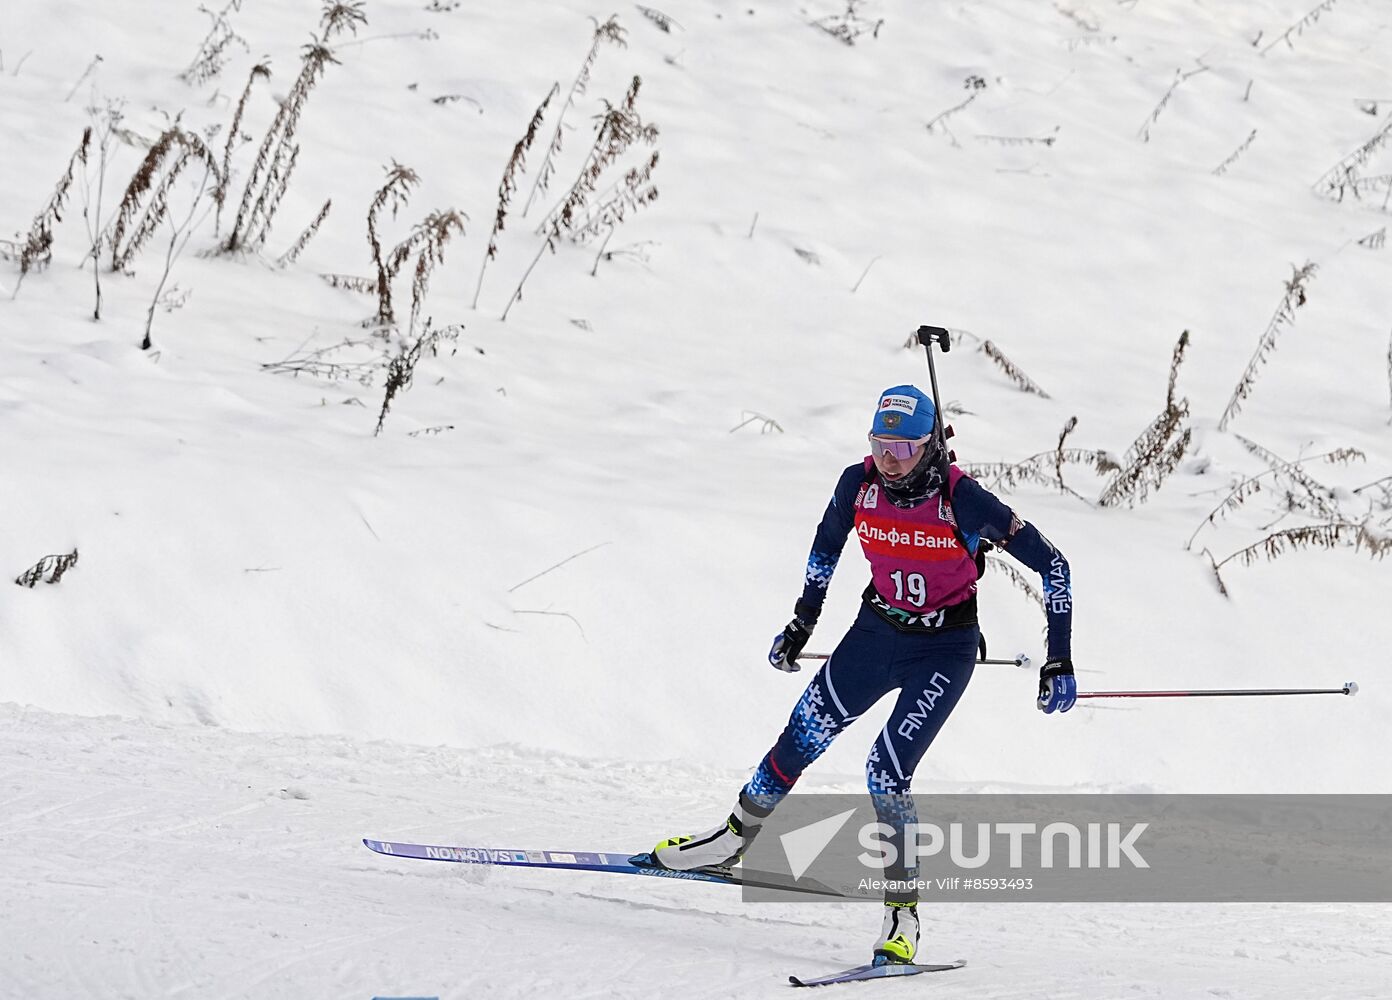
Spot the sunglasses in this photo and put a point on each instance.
(897, 447)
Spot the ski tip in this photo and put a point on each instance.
(795, 981)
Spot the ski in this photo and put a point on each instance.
(590, 861)
(861, 972)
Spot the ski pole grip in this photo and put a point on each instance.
(928, 334)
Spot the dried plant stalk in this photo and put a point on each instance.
(142, 182)
(261, 71)
(609, 31)
(393, 194)
(352, 282)
(849, 25)
(431, 236)
(1343, 176)
(1236, 154)
(426, 241)
(106, 130)
(91, 66)
(1019, 140)
(617, 129)
(1284, 316)
(296, 248)
(1010, 475)
(508, 185)
(1289, 479)
(321, 363)
(664, 22)
(1217, 576)
(1237, 496)
(1370, 186)
(1157, 451)
(1357, 535)
(629, 194)
(212, 52)
(1180, 77)
(1309, 495)
(1012, 371)
(180, 234)
(401, 369)
(974, 85)
(49, 569)
(1068, 429)
(269, 200)
(1371, 532)
(1298, 28)
(1149, 461)
(342, 15)
(1036, 468)
(37, 249)
(163, 164)
(1176, 359)
(1382, 487)
(270, 173)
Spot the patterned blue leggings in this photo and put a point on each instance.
(930, 670)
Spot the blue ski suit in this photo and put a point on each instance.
(928, 656)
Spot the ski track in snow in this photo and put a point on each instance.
(141, 860)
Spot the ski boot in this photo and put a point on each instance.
(898, 941)
(718, 848)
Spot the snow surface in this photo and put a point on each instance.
(254, 560)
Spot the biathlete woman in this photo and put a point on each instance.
(921, 522)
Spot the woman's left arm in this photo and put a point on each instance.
(981, 512)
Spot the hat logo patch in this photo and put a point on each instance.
(892, 420)
(904, 404)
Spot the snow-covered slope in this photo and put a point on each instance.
(178, 861)
(253, 557)
(577, 533)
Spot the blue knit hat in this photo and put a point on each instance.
(904, 411)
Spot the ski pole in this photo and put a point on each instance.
(1022, 660)
(926, 336)
(1350, 688)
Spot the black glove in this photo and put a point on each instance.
(1058, 690)
(789, 643)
